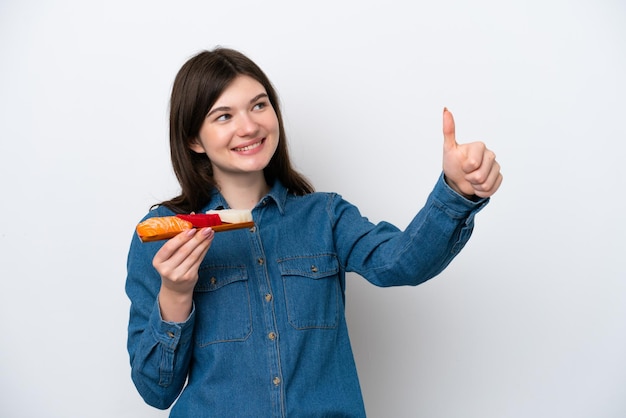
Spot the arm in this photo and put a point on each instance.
(160, 287)
(387, 257)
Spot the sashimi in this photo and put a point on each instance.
(232, 216)
(161, 227)
(165, 227)
(202, 220)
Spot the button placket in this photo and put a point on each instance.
(272, 337)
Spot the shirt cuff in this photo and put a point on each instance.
(454, 203)
(171, 334)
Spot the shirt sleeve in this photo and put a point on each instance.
(159, 351)
(387, 256)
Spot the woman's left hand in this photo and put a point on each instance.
(470, 169)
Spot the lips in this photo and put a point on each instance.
(250, 146)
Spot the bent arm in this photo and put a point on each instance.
(159, 351)
(386, 256)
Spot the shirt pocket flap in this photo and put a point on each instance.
(215, 277)
(314, 266)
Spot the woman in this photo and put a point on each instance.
(251, 322)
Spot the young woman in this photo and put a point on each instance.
(251, 323)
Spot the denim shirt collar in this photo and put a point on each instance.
(278, 193)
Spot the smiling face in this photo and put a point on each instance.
(240, 132)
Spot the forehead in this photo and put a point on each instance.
(242, 88)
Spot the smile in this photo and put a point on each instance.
(249, 147)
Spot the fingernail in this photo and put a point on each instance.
(207, 232)
(191, 232)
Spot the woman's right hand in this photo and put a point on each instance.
(177, 262)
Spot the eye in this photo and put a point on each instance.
(223, 118)
(260, 106)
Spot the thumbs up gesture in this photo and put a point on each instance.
(470, 169)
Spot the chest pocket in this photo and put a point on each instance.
(312, 290)
(222, 301)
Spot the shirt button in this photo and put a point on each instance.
(276, 381)
(268, 297)
(271, 336)
(253, 229)
(260, 261)
(314, 269)
(170, 334)
(213, 280)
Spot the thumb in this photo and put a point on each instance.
(449, 138)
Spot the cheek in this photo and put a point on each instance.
(275, 131)
(213, 139)
(271, 122)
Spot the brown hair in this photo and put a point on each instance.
(197, 86)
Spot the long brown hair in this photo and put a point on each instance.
(197, 86)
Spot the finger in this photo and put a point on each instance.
(201, 244)
(188, 254)
(449, 136)
(486, 180)
(171, 247)
(178, 249)
(183, 266)
(490, 187)
(474, 157)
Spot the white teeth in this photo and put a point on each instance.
(249, 147)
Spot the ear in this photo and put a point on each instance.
(196, 146)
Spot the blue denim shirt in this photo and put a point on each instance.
(267, 335)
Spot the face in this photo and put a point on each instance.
(240, 132)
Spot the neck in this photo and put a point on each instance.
(243, 192)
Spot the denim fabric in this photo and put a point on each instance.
(267, 336)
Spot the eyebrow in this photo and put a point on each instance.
(226, 108)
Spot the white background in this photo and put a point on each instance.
(530, 319)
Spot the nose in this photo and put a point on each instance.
(247, 126)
